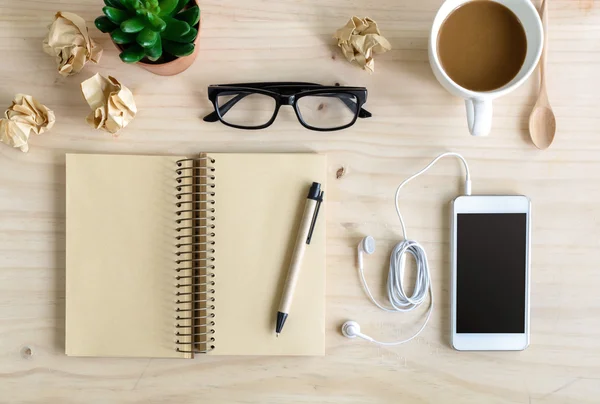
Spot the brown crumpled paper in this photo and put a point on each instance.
(113, 106)
(69, 42)
(25, 114)
(360, 40)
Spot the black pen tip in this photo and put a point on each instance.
(281, 317)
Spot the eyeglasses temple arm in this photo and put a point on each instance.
(214, 117)
(363, 113)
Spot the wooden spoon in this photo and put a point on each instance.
(542, 123)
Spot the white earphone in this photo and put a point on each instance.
(399, 300)
(351, 329)
(366, 245)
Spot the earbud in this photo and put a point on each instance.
(351, 329)
(367, 245)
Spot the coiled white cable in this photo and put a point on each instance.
(397, 296)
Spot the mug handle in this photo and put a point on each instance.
(479, 116)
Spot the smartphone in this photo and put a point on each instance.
(491, 244)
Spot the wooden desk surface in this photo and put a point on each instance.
(414, 120)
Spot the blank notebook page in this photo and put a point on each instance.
(259, 202)
(120, 249)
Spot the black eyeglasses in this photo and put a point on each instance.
(255, 105)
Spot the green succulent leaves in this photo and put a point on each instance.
(122, 38)
(133, 54)
(154, 52)
(189, 37)
(180, 6)
(191, 16)
(150, 28)
(147, 38)
(115, 4)
(105, 25)
(155, 22)
(128, 4)
(116, 15)
(178, 49)
(175, 29)
(167, 7)
(133, 25)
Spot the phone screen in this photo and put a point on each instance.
(491, 265)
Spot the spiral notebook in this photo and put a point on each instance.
(169, 257)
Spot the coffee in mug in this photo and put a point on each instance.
(480, 50)
(482, 45)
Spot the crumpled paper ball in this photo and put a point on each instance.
(69, 42)
(360, 40)
(12, 135)
(25, 115)
(112, 104)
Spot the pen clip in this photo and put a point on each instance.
(314, 218)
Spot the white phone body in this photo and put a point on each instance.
(491, 247)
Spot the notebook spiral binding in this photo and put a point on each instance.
(195, 278)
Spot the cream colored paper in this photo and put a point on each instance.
(120, 286)
(260, 199)
(121, 245)
(69, 42)
(112, 104)
(360, 39)
(25, 115)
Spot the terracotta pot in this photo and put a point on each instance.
(175, 66)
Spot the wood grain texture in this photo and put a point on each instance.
(414, 119)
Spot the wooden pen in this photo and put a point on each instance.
(307, 225)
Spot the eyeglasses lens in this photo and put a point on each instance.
(245, 108)
(328, 110)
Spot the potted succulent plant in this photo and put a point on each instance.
(160, 35)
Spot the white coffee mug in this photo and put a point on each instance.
(479, 104)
